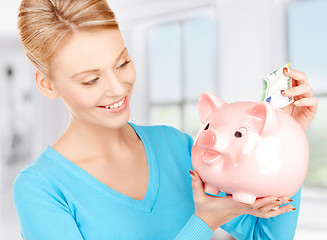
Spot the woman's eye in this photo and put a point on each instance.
(92, 82)
(124, 64)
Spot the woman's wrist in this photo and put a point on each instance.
(214, 222)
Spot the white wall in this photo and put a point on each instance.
(251, 43)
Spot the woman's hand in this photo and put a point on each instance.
(305, 105)
(216, 211)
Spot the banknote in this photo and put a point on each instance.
(273, 84)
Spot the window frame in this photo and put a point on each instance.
(139, 53)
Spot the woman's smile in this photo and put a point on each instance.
(115, 107)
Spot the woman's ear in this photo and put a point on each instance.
(45, 86)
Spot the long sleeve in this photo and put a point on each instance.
(43, 214)
(248, 227)
(282, 227)
(195, 229)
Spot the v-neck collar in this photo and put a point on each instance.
(146, 204)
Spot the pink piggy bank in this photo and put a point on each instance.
(249, 150)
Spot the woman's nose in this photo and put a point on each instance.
(113, 85)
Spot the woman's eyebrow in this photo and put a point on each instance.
(84, 72)
(121, 54)
(96, 70)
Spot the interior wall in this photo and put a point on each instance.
(251, 43)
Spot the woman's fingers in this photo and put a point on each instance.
(197, 186)
(216, 211)
(261, 202)
(279, 211)
(298, 76)
(270, 206)
(303, 89)
(301, 84)
(306, 102)
(274, 206)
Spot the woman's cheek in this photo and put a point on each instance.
(77, 99)
(129, 76)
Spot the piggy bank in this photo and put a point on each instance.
(249, 150)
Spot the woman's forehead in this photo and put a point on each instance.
(89, 49)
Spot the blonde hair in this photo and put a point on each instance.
(43, 24)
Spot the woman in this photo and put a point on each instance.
(106, 178)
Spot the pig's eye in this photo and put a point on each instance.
(207, 127)
(240, 132)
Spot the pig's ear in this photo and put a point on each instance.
(208, 103)
(265, 118)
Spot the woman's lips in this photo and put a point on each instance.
(116, 106)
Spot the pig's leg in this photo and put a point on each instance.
(244, 197)
(211, 189)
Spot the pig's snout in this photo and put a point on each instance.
(207, 139)
(210, 140)
(214, 148)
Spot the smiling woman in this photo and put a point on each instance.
(106, 178)
(99, 83)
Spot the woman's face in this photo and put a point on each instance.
(94, 75)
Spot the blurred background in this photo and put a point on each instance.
(180, 48)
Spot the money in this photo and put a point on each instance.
(273, 84)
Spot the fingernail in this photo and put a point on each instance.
(292, 209)
(285, 69)
(282, 92)
(290, 200)
(192, 174)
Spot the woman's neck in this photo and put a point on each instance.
(84, 140)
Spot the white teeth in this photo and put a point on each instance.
(116, 105)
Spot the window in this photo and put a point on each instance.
(308, 49)
(181, 64)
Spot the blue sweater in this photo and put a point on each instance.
(57, 200)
